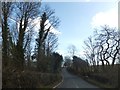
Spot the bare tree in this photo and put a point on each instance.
(28, 47)
(72, 50)
(25, 12)
(90, 50)
(115, 47)
(48, 20)
(103, 47)
(51, 43)
(6, 12)
(108, 41)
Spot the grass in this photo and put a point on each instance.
(96, 83)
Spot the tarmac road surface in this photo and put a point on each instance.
(73, 81)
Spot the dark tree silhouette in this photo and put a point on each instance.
(24, 12)
(57, 61)
(6, 12)
(47, 19)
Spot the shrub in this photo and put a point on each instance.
(28, 79)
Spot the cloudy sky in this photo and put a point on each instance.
(78, 20)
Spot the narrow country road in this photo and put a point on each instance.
(72, 81)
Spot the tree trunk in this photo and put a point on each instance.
(5, 38)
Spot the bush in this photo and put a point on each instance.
(28, 79)
(100, 78)
(108, 76)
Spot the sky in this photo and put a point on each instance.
(78, 20)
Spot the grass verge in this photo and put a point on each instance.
(103, 86)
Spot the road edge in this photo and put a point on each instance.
(59, 82)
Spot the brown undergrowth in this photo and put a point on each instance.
(29, 79)
(104, 78)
